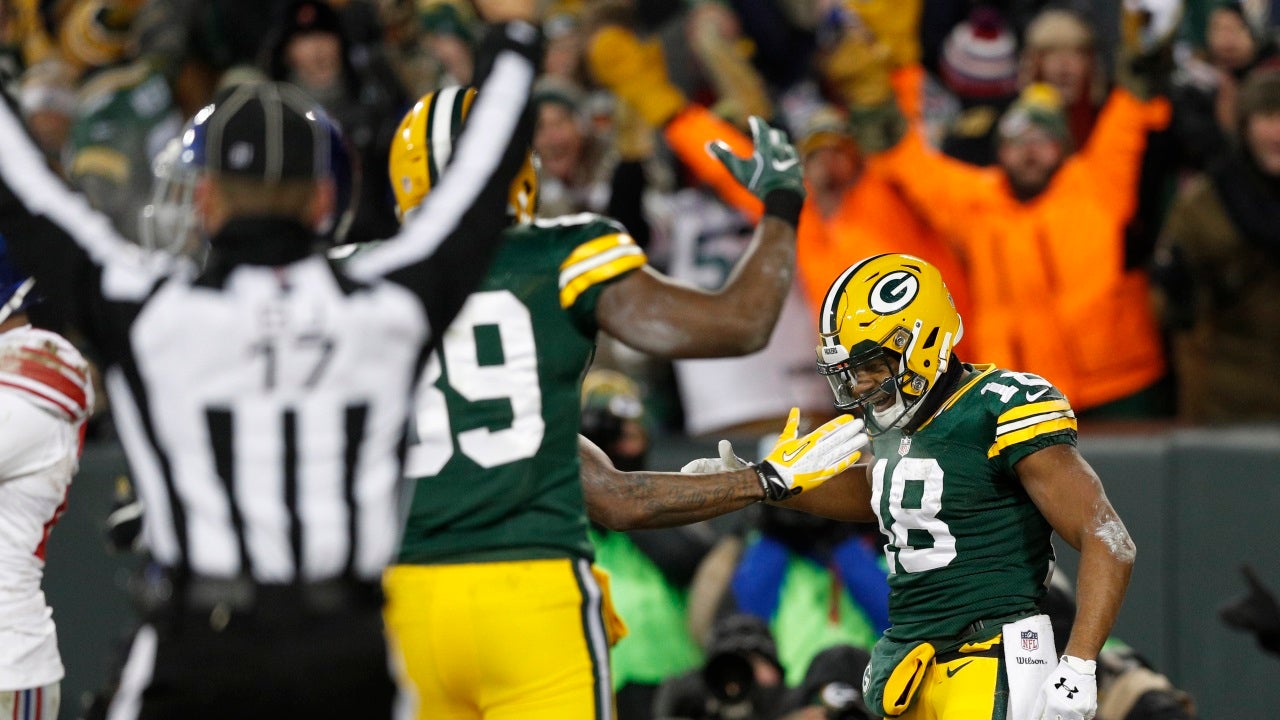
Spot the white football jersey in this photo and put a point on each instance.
(45, 396)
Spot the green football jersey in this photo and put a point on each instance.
(965, 542)
(494, 452)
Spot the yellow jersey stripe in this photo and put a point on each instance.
(626, 262)
(1029, 421)
(591, 248)
(568, 274)
(1013, 438)
(1033, 409)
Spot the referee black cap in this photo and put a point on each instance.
(266, 131)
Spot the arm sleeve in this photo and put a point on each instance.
(52, 232)
(1113, 154)
(1036, 416)
(444, 251)
(942, 190)
(688, 133)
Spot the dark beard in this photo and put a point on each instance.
(1025, 192)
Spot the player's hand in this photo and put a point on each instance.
(727, 462)
(797, 462)
(1069, 693)
(773, 165)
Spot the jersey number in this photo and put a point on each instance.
(1035, 387)
(918, 539)
(515, 379)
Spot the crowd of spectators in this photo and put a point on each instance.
(1122, 248)
(1104, 210)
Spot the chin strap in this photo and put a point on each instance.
(925, 407)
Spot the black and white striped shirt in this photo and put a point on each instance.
(262, 402)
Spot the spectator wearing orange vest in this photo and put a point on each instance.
(852, 210)
(1042, 232)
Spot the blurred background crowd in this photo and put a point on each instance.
(1106, 216)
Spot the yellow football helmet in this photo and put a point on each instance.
(893, 308)
(423, 145)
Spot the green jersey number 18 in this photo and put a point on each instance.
(919, 539)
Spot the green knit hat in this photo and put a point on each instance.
(1040, 106)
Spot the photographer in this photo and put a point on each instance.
(832, 687)
(741, 680)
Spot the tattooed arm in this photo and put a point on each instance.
(647, 500)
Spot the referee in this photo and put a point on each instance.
(262, 402)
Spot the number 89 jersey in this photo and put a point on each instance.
(965, 542)
(494, 452)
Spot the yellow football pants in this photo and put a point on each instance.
(502, 641)
(967, 687)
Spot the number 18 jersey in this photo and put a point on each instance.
(494, 455)
(965, 541)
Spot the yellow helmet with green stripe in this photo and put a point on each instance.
(893, 308)
(423, 146)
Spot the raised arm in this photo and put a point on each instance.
(444, 249)
(668, 318)
(56, 237)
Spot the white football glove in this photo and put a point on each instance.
(798, 463)
(1069, 693)
(727, 462)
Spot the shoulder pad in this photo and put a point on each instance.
(48, 370)
(580, 220)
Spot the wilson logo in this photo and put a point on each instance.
(893, 292)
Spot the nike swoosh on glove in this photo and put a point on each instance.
(797, 463)
(1069, 693)
(773, 165)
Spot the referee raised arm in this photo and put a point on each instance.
(262, 401)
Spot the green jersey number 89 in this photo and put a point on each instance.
(515, 378)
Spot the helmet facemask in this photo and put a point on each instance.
(169, 222)
(905, 387)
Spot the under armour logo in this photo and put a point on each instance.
(1062, 685)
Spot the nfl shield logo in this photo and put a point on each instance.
(1030, 640)
(904, 446)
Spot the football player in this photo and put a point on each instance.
(493, 600)
(974, 468)
(45, 397)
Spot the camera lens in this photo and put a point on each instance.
(729, 676)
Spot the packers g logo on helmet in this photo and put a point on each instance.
(893, 292)
(424, 144)
(890, 307)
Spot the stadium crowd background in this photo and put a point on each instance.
(1177, 289)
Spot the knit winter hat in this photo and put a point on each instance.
(827, 126)
(1040, 106)
(1057, 28)
(980, 57)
